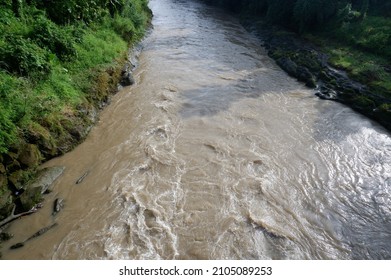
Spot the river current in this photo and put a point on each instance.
(216, 153)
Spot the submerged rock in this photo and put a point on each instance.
(127, 79)
(2, 168)
(30, 156)
(288, 66)
(4, 236)
(29, 198)
(46, 178)
(304, 75)
(33, 192)
(6, 202)
(15, 179)
(58, 206)
(3, 181)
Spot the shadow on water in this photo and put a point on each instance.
(211, 100)
(361, 204)
(336, 122)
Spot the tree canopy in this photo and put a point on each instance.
(303, 15)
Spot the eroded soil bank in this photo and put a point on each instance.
(23, 183)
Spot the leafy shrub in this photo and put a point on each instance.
(7, 129)
(40, 78)
(57, 40)
(5, 16)
(8, 85)
(373, 34)
(24, 57)
(70, 11)
(133, 12)
(386, 107)
(124, 27)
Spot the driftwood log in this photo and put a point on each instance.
(14, 216)
(82, 178)
(35, 235)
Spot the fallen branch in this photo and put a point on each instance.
(14, 216)
(35, 235)
(82, 178)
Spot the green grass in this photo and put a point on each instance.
(373, 35)
(24, 100)
(60, 74)
(367, 68)
(98, 48)
(363, 50)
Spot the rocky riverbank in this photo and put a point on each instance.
(22, 183)
(308, 63)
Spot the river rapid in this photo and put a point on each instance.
(216, 153)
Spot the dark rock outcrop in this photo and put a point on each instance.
(29, 198)
(4, 236)
(30, 156)
(127, 77)
(6, 200)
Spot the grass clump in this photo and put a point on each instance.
(362, 49)
(372, 34)
(50, 61)
(368, 68)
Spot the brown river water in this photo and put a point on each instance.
(215, 153)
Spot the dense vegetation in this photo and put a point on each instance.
(59, 62)
(355, 33)
(50, 52)
(309, 14)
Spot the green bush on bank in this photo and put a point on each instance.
(372, 34)
(49, 59)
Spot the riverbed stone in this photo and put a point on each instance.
(3, 181)
(30, 197)
(304, 75)
(2, 169)
(9, 157)
(47, 147)
(30, 156)
(46, 178)
(13, 166)
(127, 79)
(58, 205)
(78, 131)
(288, 65)
(6, 201)
(16, 178)
(4, 236)
(41, 137)
(10, 162)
